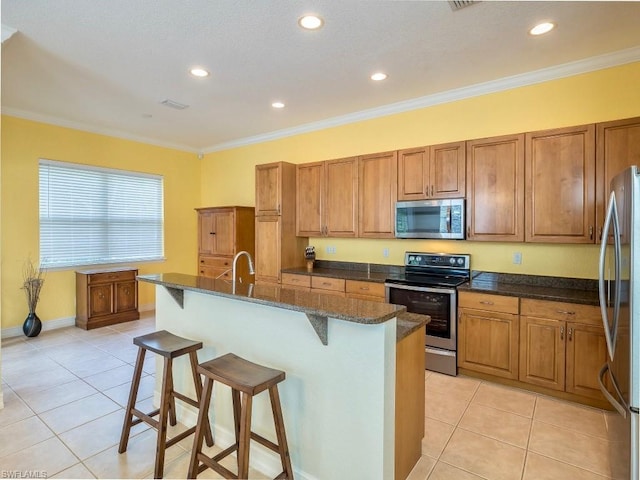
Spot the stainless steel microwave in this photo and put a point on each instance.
(431, 219)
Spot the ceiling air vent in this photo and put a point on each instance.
(173, 104)
(458, 4)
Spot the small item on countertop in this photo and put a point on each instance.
(310, 255)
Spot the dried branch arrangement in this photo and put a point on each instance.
(33, 279)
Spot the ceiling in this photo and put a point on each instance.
(105, 66)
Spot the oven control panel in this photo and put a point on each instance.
(437, 260)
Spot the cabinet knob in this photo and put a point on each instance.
(432, 190)
(364, 288)
(565, 312)
(591, 232)
(570, 332)
(561, 333)
(212, 233)
(484, 302)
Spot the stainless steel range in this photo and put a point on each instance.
(428, 287)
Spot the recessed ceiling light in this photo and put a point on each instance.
(378, 76)
(310, 22)
(277, 105)
(542, 28)
(199, 72)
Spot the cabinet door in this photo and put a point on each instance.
(224, 233)
(310, 180)
(560, 185)
(488, 342)
(413, 173)
(495, 189)
(268, 189)
(126, 296)
(377, 195)
(542, 358)
(617, 147)
(100, 300)
(206, 233)
(586, 353)
(268, 248)
(341, 198)
(447, 175)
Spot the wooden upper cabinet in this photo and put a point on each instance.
(437, 171)
(310, 180)
(377, 194)
(341, 198)
(618, 147)
(327, 200)
(560, 185)
(495, 189)
(268, 189)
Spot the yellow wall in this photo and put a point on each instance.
(23, 143)
(594, 97)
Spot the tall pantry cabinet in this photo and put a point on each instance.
(277, 246)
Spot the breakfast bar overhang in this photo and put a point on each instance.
(346, 414)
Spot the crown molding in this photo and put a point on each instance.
(591, 64)
(59, 122)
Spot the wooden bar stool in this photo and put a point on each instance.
(169, 346)
(250, 379)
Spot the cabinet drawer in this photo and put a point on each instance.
(213, 272)
(110, 277)
(297, 280)
(371, 289)
(483, 301)
(571, 312)
(215, 262)
(326, 283)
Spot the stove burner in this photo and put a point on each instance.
(433, 269)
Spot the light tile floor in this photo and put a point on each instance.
(65, 392)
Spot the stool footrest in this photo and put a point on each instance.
(180, 436)
(267, 443)
(186, 399)
(209, 463)
(145, 417)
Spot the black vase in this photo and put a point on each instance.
(32, 325)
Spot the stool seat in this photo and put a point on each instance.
(169, 346)
(241, 374)
(246, 379)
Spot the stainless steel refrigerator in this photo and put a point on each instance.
(619, 273)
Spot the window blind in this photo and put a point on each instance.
(91, 215)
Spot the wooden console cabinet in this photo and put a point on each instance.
(106, 296)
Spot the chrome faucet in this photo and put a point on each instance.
(235, 260)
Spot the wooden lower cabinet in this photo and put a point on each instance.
(562, 346)
(410, 402)
(330, 285)
(488, 334)
(106, 297)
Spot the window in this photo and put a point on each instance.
(91, 215)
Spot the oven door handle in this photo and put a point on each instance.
(421, 289)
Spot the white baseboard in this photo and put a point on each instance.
(60, 323)
(48, 325)
(261, 458)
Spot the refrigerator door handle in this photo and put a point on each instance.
(622, 410)
(611, 220)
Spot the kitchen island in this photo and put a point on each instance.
(341, 390)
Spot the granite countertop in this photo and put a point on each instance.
(312, 303)
(367, 272)
(557, 289)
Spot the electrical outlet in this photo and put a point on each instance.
(385, 252)
(331, 250)
(517, 258)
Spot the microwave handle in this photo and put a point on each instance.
(448, 219)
